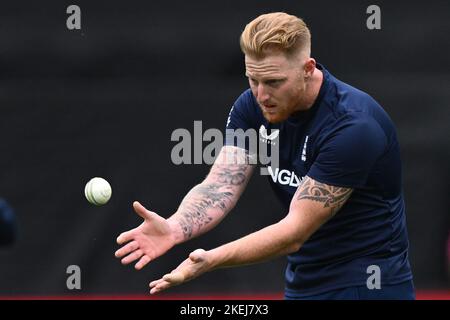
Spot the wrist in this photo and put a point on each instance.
(215, 259)
(176, 230)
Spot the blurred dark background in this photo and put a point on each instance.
(104, 100)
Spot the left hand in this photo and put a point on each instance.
(194, 266)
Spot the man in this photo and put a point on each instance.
(344, 233)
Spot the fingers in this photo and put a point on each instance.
(155, 283)
(128, 235)
(134, 253)
(156, 289)
(125, 237)
(174, 278)
(129, 247)
(155, 286)
(144, 213)
(186, 271)
(142, 262)
(140, 210)
(132, 256)
(140, 239)
(167, 281)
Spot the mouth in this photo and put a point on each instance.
(268, 107)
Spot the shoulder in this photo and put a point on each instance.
(246, 101)
(350, 99)
(245, 112)
(359, 126)
(352, 106)
(351, 132)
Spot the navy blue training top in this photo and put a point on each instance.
(345, 139)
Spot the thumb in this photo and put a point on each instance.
(175, 277)
(197, 255)
(141, 211)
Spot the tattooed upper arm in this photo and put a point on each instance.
(232, 167)
(331, 198)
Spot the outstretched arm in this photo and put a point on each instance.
(209, 202)
(312, 205)
(201, 209)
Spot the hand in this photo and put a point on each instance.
(148, 241)
(194, 266)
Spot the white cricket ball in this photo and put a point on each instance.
(98, 191)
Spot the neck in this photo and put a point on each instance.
(313, 85)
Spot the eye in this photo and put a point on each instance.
(274, 82)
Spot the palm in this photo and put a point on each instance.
(148, 241)
(153, 237)
(195, 265)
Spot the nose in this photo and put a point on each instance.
(262, 93)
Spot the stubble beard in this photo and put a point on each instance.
(277, 117)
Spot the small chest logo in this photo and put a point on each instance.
(268, 138)
(304, 149)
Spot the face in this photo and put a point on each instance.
(278, 84)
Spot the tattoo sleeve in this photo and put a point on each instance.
(330, 196)
(207, 203)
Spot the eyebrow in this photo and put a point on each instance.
(270, 78)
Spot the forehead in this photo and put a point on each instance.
(274, 63)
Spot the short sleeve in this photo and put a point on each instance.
(348, 152)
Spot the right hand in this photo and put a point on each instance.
(151, 239)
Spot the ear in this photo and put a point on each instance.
(309, 67)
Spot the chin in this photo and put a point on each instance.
(275, 117)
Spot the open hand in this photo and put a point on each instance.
(148, 241)
(194, 266)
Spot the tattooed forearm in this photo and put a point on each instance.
(331, 197)
(195, 206)
(208, 203)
